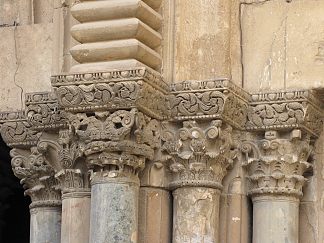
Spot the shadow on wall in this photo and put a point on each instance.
(14, 210)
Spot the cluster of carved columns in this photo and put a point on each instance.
(114, 154)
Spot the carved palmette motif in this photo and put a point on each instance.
(198, 154)
(37, 176)
(277, 165)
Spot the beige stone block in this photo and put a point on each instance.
(202, 39)
(282, 45)
(116, 9)
(116, 50)
(26, 63)
(19, 11)
(154, 215)
(130, 28)
(43, 11)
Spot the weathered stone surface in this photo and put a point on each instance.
(275, 219)
(18, 74)
(114, 211)
(196, 215)
(155, 215)
(282, 46)
(45, 225)
(75, 217)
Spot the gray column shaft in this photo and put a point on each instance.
(114, 211)
(275, 219)
(45, 225)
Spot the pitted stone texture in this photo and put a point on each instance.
(154, 215)
(196, 215)
(275, 219)
(282, 44)
(114, 212)
(76, 218)
(45, 225)
(209, 44)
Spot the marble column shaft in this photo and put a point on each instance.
(45, 224)
(196, 215)
(114, 210)
(75, 217)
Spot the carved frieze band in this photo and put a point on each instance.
(140, 88)
(211, 99)
(285, 110)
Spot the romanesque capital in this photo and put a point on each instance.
(198, 153)
(117, 143)
(37, 176)
(276, 163)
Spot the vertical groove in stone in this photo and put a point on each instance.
(154, 215)
(116, 34)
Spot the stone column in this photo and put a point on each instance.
(115, 145)
(42, 187)
(276, 178)
(64, 154)
(199, 156)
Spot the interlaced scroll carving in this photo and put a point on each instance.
(116, 143)
(37, 176)
(42, 111)
(16, 130)
(276, 165)
(139, 88)
(211, 99)
(285, 110)
(198, 154)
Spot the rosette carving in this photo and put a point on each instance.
(198, 154)
(277, 165)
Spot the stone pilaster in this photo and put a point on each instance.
(278, 161)
(198, 145)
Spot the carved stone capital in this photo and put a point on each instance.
(198, 153)
(285, 111)
(116, 143)
(211, 99)
(140, 88)
(37, 176)
(276, 164)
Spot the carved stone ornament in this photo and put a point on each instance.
(198, 153)
(210, 99)
(65, 155)
(37, 176)
(276, 164)
(140, 88)
(117, 142)
(285, 111)
(16, 131)
(42, 111)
